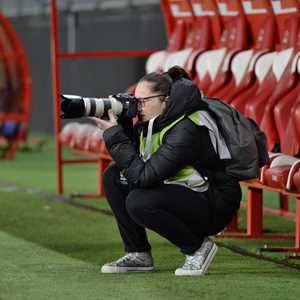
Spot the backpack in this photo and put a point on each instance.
(245, 141)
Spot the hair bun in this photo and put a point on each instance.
(177, 73)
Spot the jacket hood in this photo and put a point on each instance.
(185, 98)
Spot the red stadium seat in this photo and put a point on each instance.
(278, 81)
(296, 180)
(272, 156)
(213, 67)
(156, 61)
(292, 181)
(294, 126)
(197, 41)
(203, 34)
(82, 136)
(179, 19)
(261, 22)
(286, 73)
(262, 67)
(283, 10)
(243, 63)
(284, 113)
(207, 31)
(68, 132)
(277, 175)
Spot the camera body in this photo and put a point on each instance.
(122, 105)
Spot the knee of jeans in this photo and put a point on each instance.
(110, 175)
(136, 203)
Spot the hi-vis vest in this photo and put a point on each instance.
(188, 176)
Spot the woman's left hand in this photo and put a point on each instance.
(105, 124)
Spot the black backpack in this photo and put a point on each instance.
(245, 141)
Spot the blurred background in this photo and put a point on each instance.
(88, 25)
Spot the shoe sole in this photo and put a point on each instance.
(180, 272)
(203, 270)
(209, 259)
(108, 269)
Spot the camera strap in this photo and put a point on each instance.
(146, 154)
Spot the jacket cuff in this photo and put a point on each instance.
(113, 135)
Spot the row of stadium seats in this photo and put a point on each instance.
(246, 53)
(228, 48)
(82, 137)
(242, 67)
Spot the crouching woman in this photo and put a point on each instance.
(167, 175)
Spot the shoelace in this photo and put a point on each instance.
(196, 261)
(131, 257)
(126, 258)
(205, 248)
(192, 262)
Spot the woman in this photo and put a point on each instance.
(167, 175)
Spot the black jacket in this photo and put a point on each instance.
(184, 144)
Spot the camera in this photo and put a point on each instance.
(122, 105)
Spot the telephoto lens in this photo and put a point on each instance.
(74, 106)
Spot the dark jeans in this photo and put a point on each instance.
(182, 216)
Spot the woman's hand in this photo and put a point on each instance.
(105, 124)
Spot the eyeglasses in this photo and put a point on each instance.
(142, 101)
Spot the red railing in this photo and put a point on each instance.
(56, 57)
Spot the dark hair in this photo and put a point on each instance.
(162, 82)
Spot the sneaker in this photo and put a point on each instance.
(198, 263)
(131, 262)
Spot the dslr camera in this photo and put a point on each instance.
(122, 105)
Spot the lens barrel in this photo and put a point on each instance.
(76, 106)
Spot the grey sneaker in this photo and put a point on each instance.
(198, 263)
(131, 262)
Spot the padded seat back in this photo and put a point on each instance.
(296, 181)
(233, 39)
(284, 116)
(200, 37)
(213, 67)
(272, 156)
(277, 174)
(279, 80)
(243, 63)
(198, 40)
(285, 70)
(178, 19)
(295, 168)
(176, 42)
(284, 10)
(208, 9)
(68, 133)
(294, 124)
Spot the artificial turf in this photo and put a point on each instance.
(52, 250)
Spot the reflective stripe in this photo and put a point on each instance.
(147, 151)
(188, 176)
(216, 138)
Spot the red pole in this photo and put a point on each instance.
(169, 19)
(56, 93)
(254, 212)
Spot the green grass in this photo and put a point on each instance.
(52, 250)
